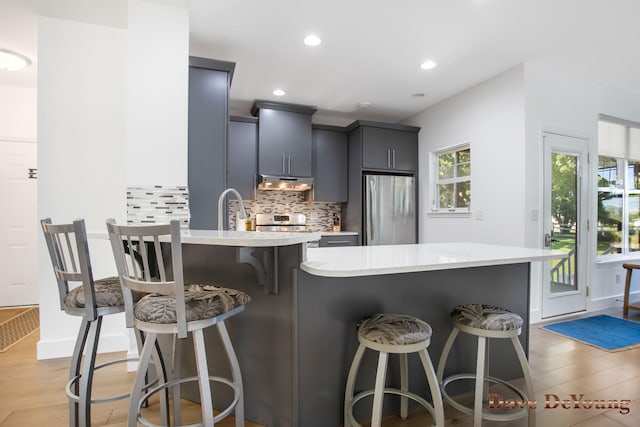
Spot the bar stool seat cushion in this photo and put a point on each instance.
(201, 302)
(487, 317)
(394, 329)
(108, 293)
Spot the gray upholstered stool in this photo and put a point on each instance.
(486, 321)
(399, 334)
(91, 300)
(171, 307)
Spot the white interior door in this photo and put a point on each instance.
(18, 223)
(565, 207)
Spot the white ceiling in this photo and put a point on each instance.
(371, 49)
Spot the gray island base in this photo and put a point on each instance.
(295, 348)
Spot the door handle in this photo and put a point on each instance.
(389, 159)
(289, 173)
(283, 172)
(548, 240)
(394, 158)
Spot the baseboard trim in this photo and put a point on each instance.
(132, 360)
(595, 304)
(535, 316)
(603, 303)
(54, 349)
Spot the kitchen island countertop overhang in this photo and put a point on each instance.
(236, 238)
(392, 259)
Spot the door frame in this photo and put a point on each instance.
(572, 301)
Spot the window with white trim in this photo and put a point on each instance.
(618, 229)
(451, 178)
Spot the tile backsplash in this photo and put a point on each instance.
(319, 214)
(153, 204)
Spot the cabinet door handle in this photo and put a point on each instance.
(283, 172)
(389, 158)
(338, 242)
(289, 165)
(394, 158)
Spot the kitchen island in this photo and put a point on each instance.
(295, 341)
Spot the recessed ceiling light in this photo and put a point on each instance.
(364, 104)
(279, 92)
(12, 61)
(312, 40)
(427, 65)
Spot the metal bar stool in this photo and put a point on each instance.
(396, 334)
(484, 322)
(91, 300)
(170, 307)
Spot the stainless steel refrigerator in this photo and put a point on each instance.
(389, 209)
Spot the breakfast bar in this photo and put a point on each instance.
(296, 339)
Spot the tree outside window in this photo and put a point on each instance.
(452, 180)
(618, 228)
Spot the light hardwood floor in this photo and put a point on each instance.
(31, 392)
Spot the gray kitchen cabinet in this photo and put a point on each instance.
(284, 132)
(242, 155)
(338, 240)
(209, 82)
(330, 163)
(389, 147)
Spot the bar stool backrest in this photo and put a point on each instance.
(141, 258)
(69, 252)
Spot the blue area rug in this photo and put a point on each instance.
(604, 332)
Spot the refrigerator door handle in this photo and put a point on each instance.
(371, 214)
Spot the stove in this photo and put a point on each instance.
(284, 222)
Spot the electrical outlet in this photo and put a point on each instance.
(618, 277)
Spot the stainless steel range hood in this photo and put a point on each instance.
(286, 183)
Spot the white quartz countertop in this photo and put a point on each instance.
(351, 261)
(246, 238)
(237, 238)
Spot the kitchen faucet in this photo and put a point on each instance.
(243, 212)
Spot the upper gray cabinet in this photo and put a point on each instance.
(330, 162)
(388, 147)
(284, 138)
(209, 82)
(242, 155)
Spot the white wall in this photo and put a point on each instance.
(491, 117)
(504, 118)
(18, 118)
(566, 103)
(157, 93)
(82, 147)
(112, 112)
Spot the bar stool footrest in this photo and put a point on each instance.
(222, 414)
(73, 380)
(389, 390)
(514, 414)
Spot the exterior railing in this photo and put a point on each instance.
(563, 272)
